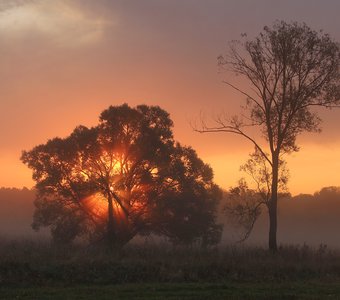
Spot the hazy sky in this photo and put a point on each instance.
(63, 62)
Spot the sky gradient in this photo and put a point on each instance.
(63, 62)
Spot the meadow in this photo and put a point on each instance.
(42, 270)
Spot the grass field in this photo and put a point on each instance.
(233, 290)
(32, 270)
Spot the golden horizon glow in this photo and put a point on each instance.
(311, 169)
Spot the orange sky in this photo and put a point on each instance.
(63, 62)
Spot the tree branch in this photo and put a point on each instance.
(235, 130)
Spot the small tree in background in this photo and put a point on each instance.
(245, 202)
(291, 69)
(110, 181)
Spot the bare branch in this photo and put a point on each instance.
(245, 94)
(235, 130)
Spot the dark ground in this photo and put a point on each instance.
(232, 290)
(40, 270)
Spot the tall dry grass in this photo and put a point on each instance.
(27, 262)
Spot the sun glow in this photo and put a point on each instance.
(115, 170)
(97, 205)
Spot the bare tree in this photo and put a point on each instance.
(291, 69)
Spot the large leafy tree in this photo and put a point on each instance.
(291, 69)
(108, 181)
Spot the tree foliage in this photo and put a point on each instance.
(121, 178)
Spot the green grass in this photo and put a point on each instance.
(233, 290)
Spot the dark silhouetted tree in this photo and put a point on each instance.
(109, 180)
(291, 70)
(186, 209)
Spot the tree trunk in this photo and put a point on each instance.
(272, 207)
(110, 221)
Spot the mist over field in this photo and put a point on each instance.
(310, 219)
(302, 219)
(16, 212)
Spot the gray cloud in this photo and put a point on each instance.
(62, 22)
(10, 4)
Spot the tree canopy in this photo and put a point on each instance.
(123, 177)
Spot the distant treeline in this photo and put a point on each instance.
(311, 219)
(305, 218)
(16, 211)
